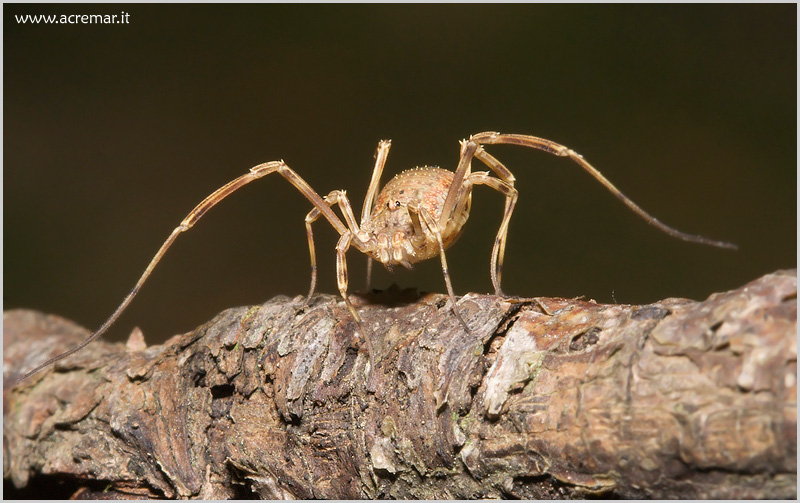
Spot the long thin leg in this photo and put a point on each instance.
(312, 254)
(341, 271)
(374, 186)
(488, 138)
(369, 273)
(456, 192)
(374, 183)
(507, 189)
(499, 169)
(341, 279)
(255, 173)
(499, 248)
(461, 188)
(334, 197)
(415, 208)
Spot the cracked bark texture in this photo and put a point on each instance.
(543, 398)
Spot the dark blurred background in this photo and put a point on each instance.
(112, 133)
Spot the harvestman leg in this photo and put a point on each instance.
(456, 192)
(334, 197)
(461, 187)
(338, 197)
(490, 138)
(505, 186)
(473, 148)
(341, 279)
(416, 212)
(507, 189)
(374, 185)
(255, 173)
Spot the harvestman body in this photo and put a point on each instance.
(416, 216)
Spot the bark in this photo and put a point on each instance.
(542, 398)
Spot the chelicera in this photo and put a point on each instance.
(416, 216)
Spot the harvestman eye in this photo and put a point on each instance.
(431, 224)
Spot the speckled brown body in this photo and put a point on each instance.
(393, 236)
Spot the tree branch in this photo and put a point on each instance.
(543, 398)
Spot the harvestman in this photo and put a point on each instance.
(417, 215)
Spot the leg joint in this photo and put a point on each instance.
(267, 168)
